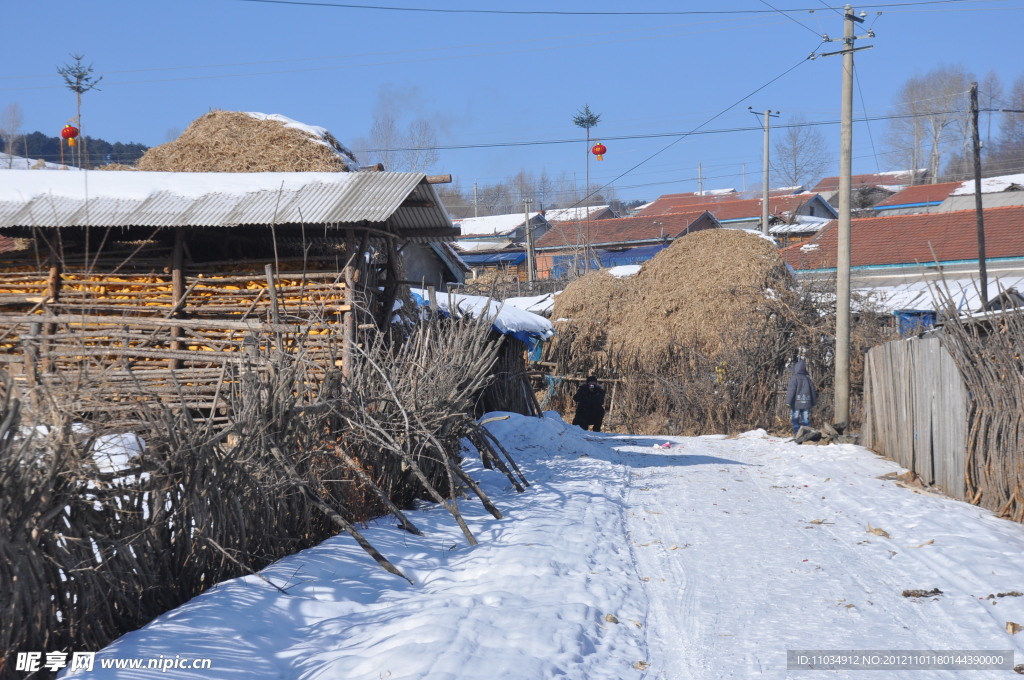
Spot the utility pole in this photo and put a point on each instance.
(978, 206)
(531, 262)
(768, 115)
(744, 166)
(700, 180)
(476, 211)
(842, 377)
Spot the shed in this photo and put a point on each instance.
(165, 278)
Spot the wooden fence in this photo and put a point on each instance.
(916, 410)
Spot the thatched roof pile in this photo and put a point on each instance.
(704, 287)
(230, 141)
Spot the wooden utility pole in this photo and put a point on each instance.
(531, 262)
(842, 356)
(979, 210)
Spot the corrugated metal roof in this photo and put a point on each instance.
(163, 199)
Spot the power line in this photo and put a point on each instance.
(655, 135)
(794, 20)
(518, 42)
(512, 50)
(523, 12)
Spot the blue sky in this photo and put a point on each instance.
(485, 79)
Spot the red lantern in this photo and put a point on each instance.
(69, 133)
(599, 151)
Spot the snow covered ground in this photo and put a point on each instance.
(628, 557)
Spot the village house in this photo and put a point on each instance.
(920, 198)
(745, 213)
(995, 192)
(869, 189)
(573, 247)
(896, 259)
(497, 241)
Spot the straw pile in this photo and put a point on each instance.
(702, 289)
(229, 141)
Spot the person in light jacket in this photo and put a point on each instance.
(800, 396)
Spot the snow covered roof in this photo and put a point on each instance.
(506, 319)
(992, 185)
(492, 225)
(802, 224)
(919, 294)
(404, 200)
(574, 214)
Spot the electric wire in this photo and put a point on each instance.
(524, 12)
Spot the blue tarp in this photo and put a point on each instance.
(561, 264)
(513, 258)
(913, 321)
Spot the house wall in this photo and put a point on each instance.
(423, 264)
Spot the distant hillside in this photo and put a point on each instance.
(100, 151)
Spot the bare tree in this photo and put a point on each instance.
(395, 141)
(933, 105)
(420, 152)
(79, 79)
(991, 96)
(10, 124)
(801, 154)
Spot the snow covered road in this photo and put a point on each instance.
(707, 559)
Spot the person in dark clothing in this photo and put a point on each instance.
(800, 396)
(589, 400)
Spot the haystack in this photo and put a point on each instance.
(700, 290)
(230, 141)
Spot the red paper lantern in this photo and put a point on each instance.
(599, 151)
(69, 133)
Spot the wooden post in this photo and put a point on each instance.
(348, 331)
(275, 313)
(53, 281)
(32, 355)
(177, 293)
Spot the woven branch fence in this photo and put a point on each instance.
(88, 553)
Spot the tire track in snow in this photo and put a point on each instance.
(732, 601)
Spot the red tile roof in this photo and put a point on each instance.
(625, 229)
(921, 193)
(870, 180)
(748, 208)
(909, 239)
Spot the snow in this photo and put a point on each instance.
(507, 319)
(9, 162)
(573, 214)
(113, 452)
(990, 185)
(492, 225)
(319, 134)
(24, 185)
(759, 233)
(809, 247)
(624, 270)
(920, 294)
(802, 224)
(628, 557)
(537, 304)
